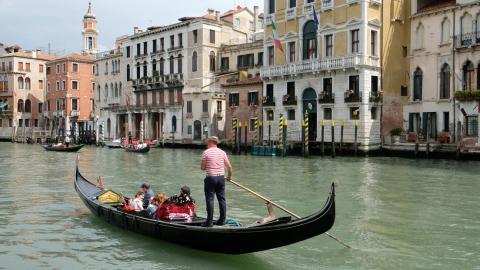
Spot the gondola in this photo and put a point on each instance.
(71, 148)
(141, 148)
(220, 239)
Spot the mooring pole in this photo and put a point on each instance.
(427, 153)
(356, 137)
(333, 138)
(307, 151)
(342, 126)
(239, 146)
(246, 138)
(322, 149)
(270, 133)
(284, 139)
(234, 135)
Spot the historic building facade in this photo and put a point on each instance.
(444, 101)
(334, 54)
(240, 70)
(22, 93)
(69, 95)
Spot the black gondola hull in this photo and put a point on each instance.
(230, 240)
(72, 148)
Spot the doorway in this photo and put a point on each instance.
(197, 130)
(309, 99)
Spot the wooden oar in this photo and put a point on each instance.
(282, 208)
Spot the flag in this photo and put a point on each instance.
(277, 42)
(315, 20)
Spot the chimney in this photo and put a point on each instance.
(255, 18)
(211, 11)
(135, 30)
(217, 15)
(34, 54)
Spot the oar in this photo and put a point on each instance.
(282, 208)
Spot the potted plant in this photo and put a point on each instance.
(395, 133)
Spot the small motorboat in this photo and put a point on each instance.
(137, 148)
(221, 239)
(114, 144)
(63, 148)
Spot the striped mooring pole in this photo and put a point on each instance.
(305, 123)
(103, 131)
(141, 131)
(280, 132)
(260, 132)
(255, 126)
(234, 134)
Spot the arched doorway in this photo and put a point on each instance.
(309, 99)
(197, 130)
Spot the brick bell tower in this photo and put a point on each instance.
(90, 32)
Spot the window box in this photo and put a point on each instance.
(352, 96)
(376, 97)
(468, 95)
(326, 98)
(268, 101)
(289, 100)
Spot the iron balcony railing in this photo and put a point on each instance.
(289, 100)
(375, 97)
(268, 101)
(353, 96)
(326, 98)
(467, 40)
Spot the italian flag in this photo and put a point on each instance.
(277, 42)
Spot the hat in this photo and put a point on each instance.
(213, 139)
(186, 190)
(145, 185)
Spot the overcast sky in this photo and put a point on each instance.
(36, 23)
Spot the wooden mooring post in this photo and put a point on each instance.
(322, 145)
(333, 138)
(342, 126)
(356, 138)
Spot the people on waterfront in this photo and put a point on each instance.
(145, 187)
(67, 141)
(214, 161)
(137, 203)
(156, 202)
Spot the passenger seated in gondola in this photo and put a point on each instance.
(156, 202)
(178, 207)
(136, 204)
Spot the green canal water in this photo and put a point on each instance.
(396, 213)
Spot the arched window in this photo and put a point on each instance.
(194, 62)
(180, 64)
(28, 84)
(172, 64)
(113, 66)
(162, 66)
(468, 70)
(419, 36)
(128, 72)
(145, 70)
(99, 90)
(309, 41)
(174, 123)
(445, 82)
(212, 61)
(106, 68)
(445, 38)
(477, 27)
(106, 90)
(28, 106)
(139, 74)
(112, 90)
(116, 90)
(20, 82)
(417, 84)
(20, 107)
(120, 89)
(466, 25)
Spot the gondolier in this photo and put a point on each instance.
(214, 161)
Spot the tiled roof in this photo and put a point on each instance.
(248, 81)
(437, 4)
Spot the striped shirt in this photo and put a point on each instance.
(215, 159)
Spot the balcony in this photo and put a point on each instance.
(268, 19)
(189, 115)
(140, 56)
(327, 5)
(467, 40)
(75, 113)
(353, 97)
(326, 98)
(351, 2)
(375, 2)
(171, 49)
(375, 97)
(289, 100)
(7, 113)
(468, 95)
(291, 14)
(268, 101)
(316, 65)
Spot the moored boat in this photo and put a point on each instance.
(63, 148)
(221, 239)
(138, 148)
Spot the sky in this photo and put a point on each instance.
(33, 24)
